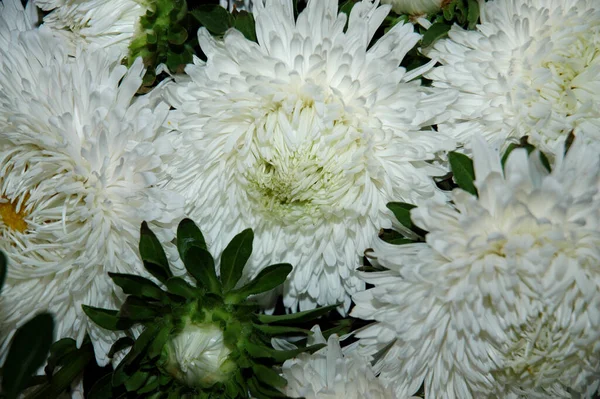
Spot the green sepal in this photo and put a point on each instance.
(58, 351)
(214, 17)
(138, 286)
(188, 235)
(155, 348)
(244, 22)
(180, 287)
(464, 173)
(119, 345)
(107, 319)
(269, 278)
(136, 381)
(177, 34)
(201, 265)
(299, 317)
(234, 258)
(28, 351)
(280, 330)
(137, 309)
(261, 351)
(268, 376)
(152, 383)
(153, 255)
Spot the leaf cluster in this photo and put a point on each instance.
(220, 300)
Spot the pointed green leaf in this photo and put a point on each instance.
(157, 344)
(280, 330)
(464, 174)
(269, 278)
(152, 383)
(136, 381)
(138, 286)
(261, 391)
(138, 310)
(201, 265)
(107, 319)
(28, 351)
(180, 287)
(215, 18)
(435, 32)
(153, 255)
(140, 346)
(102, 389)
(119, 345)
(299, 317)
(188, 234)
(244, 22)
(268, 376)
(401, 211)
(58, 351)
(234, 258)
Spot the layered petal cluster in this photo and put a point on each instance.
(530, 69)
(105, 23)
(304, 137)
(79, 161)
(331, 374)
(15, 18)
(503, 298)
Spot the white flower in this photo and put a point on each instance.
(15, 18)
(415, 7)
(305, 137)
(105, 23)
(331, 374)
(530, 69)
(198, 356)
(240, 5)
(78, 166)
(503, 299)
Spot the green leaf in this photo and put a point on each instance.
(347, 7)
(201, 265)
(138, 286)
(159, 341)
(138, 310)
(119, 345)
(244, 22)
(153, 254)
(58, 351)
(215, 18)
(472, 13)
(188, 235)
(261, 351)
(152, 383)
(299, 317)
(269, 278)
(261, 391)
(180, 287)
(401, 211)
(234, 258)
(28, 351)
(107, 319)
(464, 174)
(102, 389)
(136, 381)
(268, 376)
(435, 32)
(280, 330)
(3, 263)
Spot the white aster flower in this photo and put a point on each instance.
(416, 7)
(104, 23)
(530, 69)
(331, 374)
(305, 137)
(240, 5)
(78, 171)
(503, 298)
(198, 356)
(15, 18)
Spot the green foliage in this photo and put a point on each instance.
(145, 371)
(401, 211)
(464, 174)
(523, 143)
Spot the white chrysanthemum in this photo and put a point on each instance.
(15, 18)
(530, 69)
(330, 374)
(240, 5)
(305, 137)
(78, 169)
(105, 23)
(198, 356)
(503, 299)
(415, 7)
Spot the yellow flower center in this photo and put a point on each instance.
(13, 219)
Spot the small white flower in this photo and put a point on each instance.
(331, 374)
(105, 23)
(415, 7)
(305, 137)
(530, 69)
(78, 166)
(198, 356)
(503, 299)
